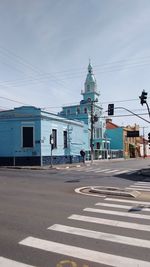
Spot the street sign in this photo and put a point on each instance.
(132, 133)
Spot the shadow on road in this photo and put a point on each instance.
(140, 175)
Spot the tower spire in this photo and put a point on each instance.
(90, 82)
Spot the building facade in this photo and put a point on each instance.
(127, 147)
(25, 137)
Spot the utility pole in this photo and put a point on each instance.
(143, 142)
(92, 131)
(144, 148)
(94, 118)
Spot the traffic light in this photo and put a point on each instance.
(111, 109)
(149, 139)
(143, 97)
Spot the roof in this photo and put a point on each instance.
(111, 125)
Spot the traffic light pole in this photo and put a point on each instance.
(148, 108)
(132, 113)
(143, 98)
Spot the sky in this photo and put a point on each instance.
(45, 47)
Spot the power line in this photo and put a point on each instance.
(106, 67)
(21, 61)
(12, 100)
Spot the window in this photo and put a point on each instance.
(27, 136)
(85, 110)
(78, 110)
(68, 111)
(54, 134)
(97, 133)
(98, 145)
(65, 139)
(88, 87)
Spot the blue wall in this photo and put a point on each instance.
(11, 123)
(116, 138)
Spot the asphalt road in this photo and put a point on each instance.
(81, 233)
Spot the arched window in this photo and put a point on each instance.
(85, 110)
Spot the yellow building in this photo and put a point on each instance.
(131, 144)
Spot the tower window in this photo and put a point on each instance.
(78, 110)
(68, 111)
(85, 110)
(88, 87)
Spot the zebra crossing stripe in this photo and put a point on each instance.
(144, 183)
(88, 170)
(82, 253)
(123, 206)
(126, 201)
(119, 213)
(111, 171)
(101, 235)
(10, 263)
(120, 172)
(138, 189)
(102, 170)
(114, 223)
(141, 185)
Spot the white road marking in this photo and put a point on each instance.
(79, 191)
(119, 213)
(138, 189)
(122, 206)
(88, 170)
(102, 170)
(82, 253)
(114, 223)
(140, 186)
(10, 263)
(144, 183)
(101, 235)
(120, 172)
(111, 171)
(127, 201)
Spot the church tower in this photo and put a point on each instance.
(90, 92)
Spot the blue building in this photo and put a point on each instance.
(88, 108)
(25, 137)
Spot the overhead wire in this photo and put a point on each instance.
(38, 72)
(106, 67)
(25, 63)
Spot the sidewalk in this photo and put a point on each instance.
(142, 172)
(62, 166)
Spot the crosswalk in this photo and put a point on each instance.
(140, 186)
(111, 221)
(99, 170)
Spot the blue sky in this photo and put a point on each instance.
(45, 47)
